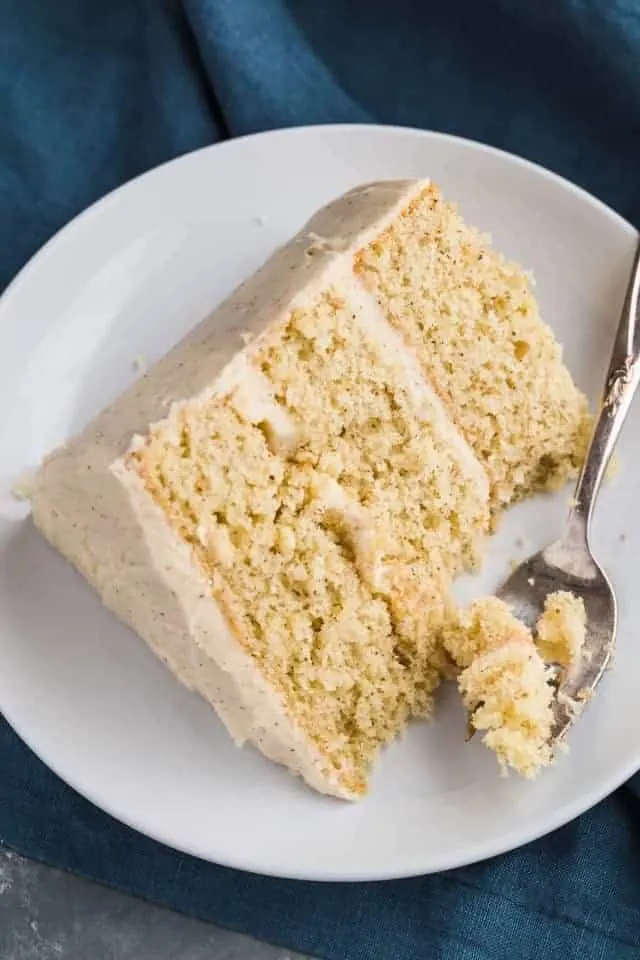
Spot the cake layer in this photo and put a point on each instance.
(366, 419)
(328, 517)
(472, 321)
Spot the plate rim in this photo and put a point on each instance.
(232, 142)
(412, 867)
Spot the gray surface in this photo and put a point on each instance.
(46, 914)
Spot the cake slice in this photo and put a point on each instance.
(279, 505)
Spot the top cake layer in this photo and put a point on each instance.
(471, 319)
(278, 506)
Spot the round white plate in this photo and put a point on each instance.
(117, 288)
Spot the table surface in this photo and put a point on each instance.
(47, 914)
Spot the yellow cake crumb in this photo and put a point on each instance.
(613, 469)
(504, 684)
(473, 322)
(23, 486)
(560, 631)
(331, 554)
(140, 364)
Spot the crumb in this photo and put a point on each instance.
(622, 537)
(514, 564)
(519, 542)
(22, 489)
(139, 364)
(261, 220)
(613, 469)
(504, 685)
(560, 631)
(531, 581)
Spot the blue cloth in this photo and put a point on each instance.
(92, 94)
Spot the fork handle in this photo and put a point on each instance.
(621, 383)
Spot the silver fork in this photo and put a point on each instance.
(568, 563)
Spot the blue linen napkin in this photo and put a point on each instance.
(92, 94)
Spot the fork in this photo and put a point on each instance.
(568, 563)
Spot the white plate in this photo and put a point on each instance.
(125, 281)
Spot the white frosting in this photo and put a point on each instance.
(98, 514)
